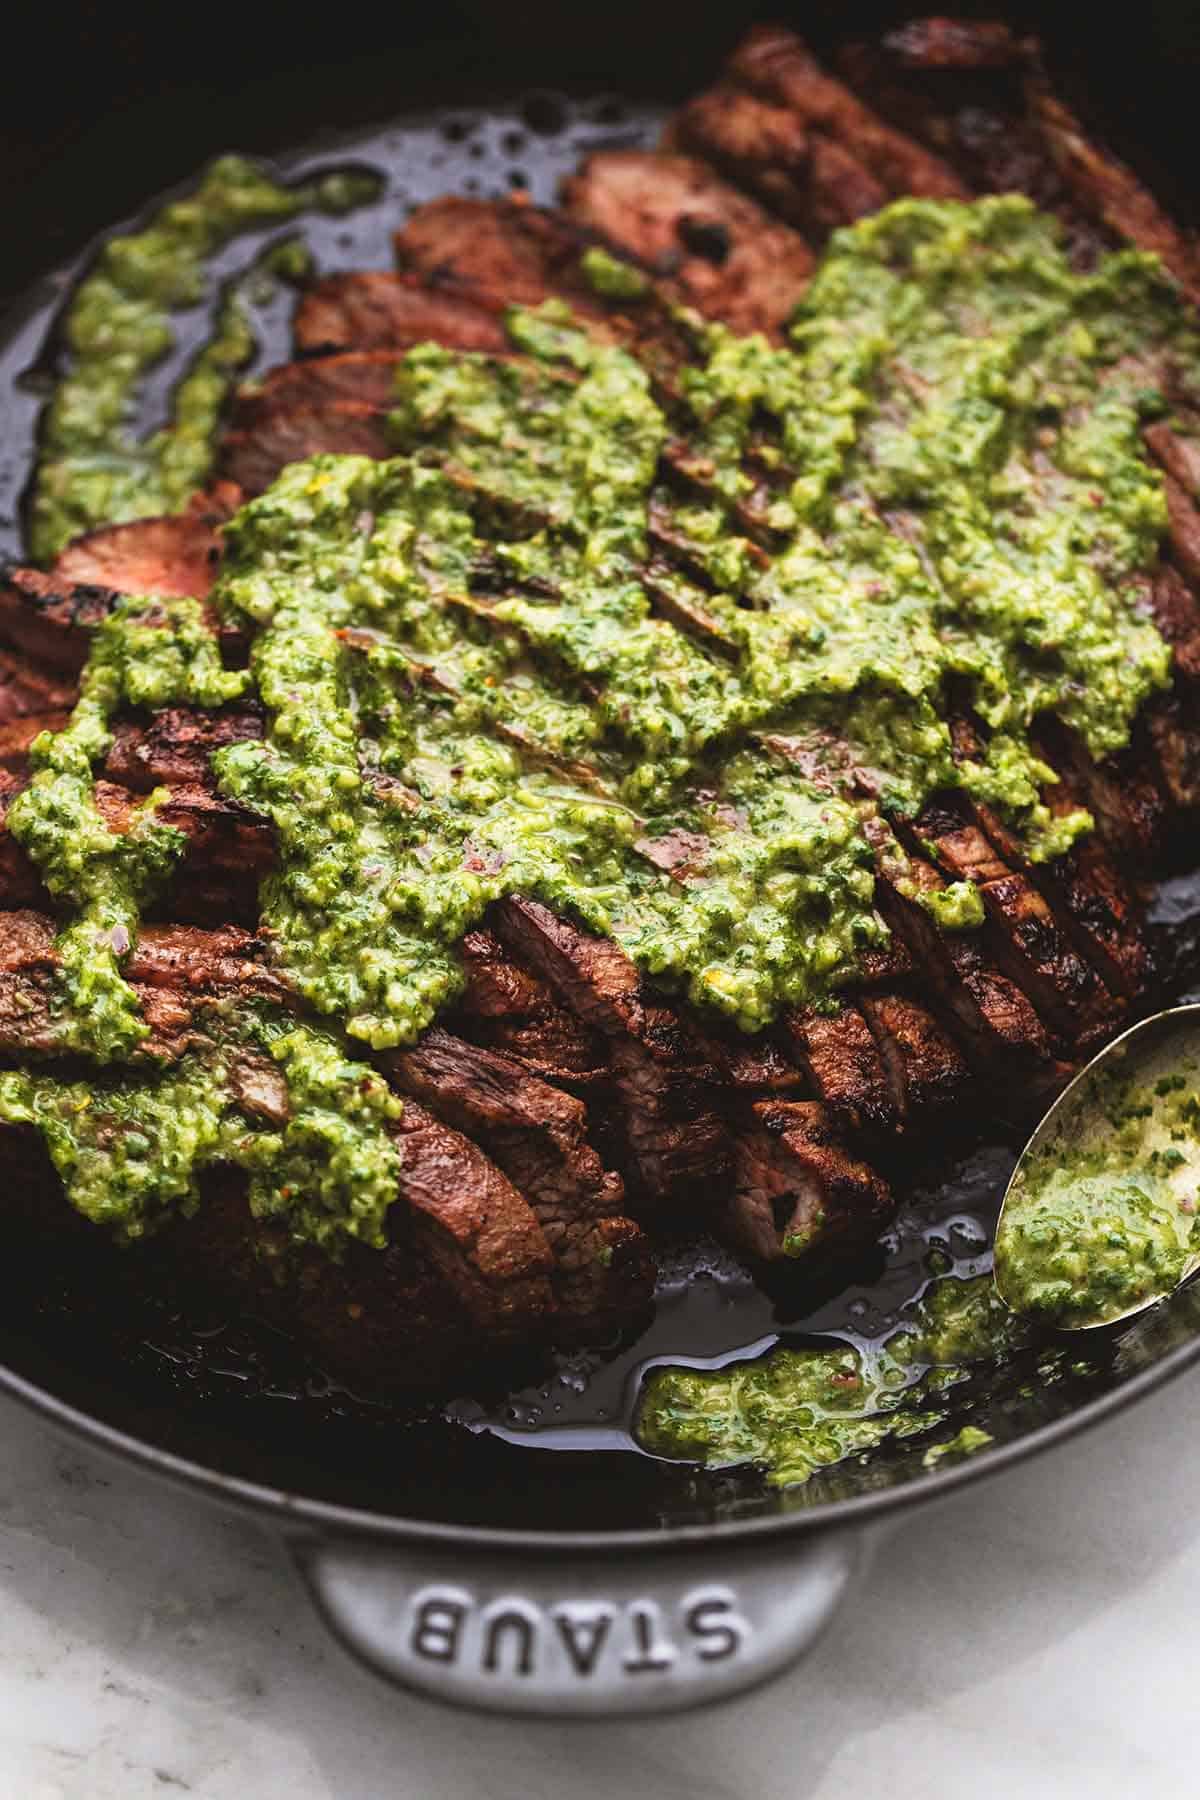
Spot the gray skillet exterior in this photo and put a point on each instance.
(534, 1622)
(585, 1624)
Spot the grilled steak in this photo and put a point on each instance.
(565, 1106)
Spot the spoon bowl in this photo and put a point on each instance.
(1101, 1217)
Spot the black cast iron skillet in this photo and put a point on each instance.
(473, 1558)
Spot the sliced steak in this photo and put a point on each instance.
(677, 1147)
(256, 456)
(775, 63)
(841, 1057)
(1025, 936)
(1122, 792)
(507, 1007)
(1091, 901)
(174, 746)
(27, 691)
(712, 247)
(227, 853)
(925, 1068)
(174, 970)
(366, 377)
(1002, 1035)
(1173, 731)
(49, 620)
(1108, 191)
(496, 253)
(374, 309)
(477, 1229)
(797, 1187)
(811, 181)
(537, 1135)
(1175, 607)
(17, 733)
(1184, 531)
(175, 556)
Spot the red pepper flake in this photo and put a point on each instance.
(483, 862)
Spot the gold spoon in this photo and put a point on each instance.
(1100, 1218)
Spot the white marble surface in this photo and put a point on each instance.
(1036, 1637)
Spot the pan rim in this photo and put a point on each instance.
(299, 1513)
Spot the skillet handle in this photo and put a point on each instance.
(579, 1636)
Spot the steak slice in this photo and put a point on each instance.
(477, 1230)
(176, 971)
(1002, 1035)
(841, 1058)
(925, 1068)
(712, 247)
(174, 746)
(774, 62)
(813, 182)
(956, 86)
(18, 731)
(508, 1008)
(256, 456)
(1108, 191)
(227, 852)
(496, 253)
(1174, 605)
(1184, 530)
(27, 691)
(796, 1186)
(676, 1145)
(1091, 902)
(1173, 732)
(376, 309)
(1121, 793)
(365, 376)
(537, 1135)
(1025, 935)
(174, 556)
(49, 620)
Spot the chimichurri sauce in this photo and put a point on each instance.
(473, 680)
(91, 469)
(1102, 1216)
(963, 497)
(322, 1163)
(794, 1412)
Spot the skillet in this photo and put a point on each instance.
(519, 1555)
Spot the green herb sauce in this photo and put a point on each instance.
(474, 681)
(129, 1147)
(794, 1412)
(963, 495)
(1102, 1215)
(614, 279)
(964, 1443)
(145, 653)
(91, 468)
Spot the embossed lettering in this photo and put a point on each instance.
(583, 1630)
(653, 1652)
(514, 1622)
(437, 1627)
(712, 1616)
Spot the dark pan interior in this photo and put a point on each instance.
(494, 100)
